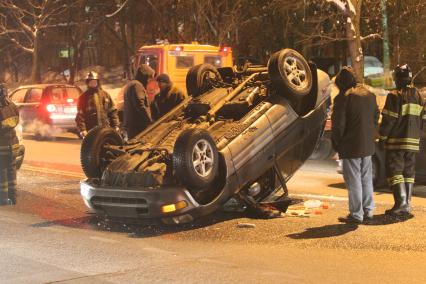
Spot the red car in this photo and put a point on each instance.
(46, 109)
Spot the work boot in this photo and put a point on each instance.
(409, 189)
(400, 199)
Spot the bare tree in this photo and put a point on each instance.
(24, 22)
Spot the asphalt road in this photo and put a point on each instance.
(49, 238)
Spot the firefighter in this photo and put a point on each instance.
(95, 107)
(169, 97)
(400, 136)
(9, 119)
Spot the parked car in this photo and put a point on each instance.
(239, 133)
(47, 108)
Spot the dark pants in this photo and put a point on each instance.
(7, 179)
(400, 167)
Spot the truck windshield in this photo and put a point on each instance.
(151, 60)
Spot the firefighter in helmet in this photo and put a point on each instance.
(402, 120)
(95, 107)
(9, 144)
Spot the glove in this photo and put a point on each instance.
(83, 133)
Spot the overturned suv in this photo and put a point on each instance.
(239, 133)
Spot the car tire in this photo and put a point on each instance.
(200, 79)
(290, 74)
(93, 155)
(195, 159)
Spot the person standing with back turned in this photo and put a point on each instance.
(354, 126)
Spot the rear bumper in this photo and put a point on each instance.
(139, 202)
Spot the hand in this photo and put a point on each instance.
(117, 129)
(125, 136)
(83, 133)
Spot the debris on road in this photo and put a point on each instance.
(246, 225)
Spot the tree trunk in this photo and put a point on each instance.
(354, 40)
(35, 69)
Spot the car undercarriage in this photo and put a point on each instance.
(239, 133)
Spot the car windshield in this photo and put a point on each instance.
(73, 93)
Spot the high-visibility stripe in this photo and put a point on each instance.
(424, 116)
(390, 113)
(409, 180)
(10, 122)
(402, 147)
(411, 109)
(396, 179)
(404, 140)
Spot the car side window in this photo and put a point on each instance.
(34, 95)
(18, 96)
(184, 62)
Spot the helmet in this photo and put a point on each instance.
(92, 75)
(402, 75)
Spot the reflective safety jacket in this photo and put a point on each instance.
(402, 120)
(95, 107)
(9, 119)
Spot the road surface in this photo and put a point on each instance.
(50, 238)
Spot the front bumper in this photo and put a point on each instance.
(139, 203)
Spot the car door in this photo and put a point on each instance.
(18, 97)
(253, 149)
(30, 108)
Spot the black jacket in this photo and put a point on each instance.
(354, 123)
(9, 118)
(136, 110)
(95, 107)
(402, 120)
(165, 101)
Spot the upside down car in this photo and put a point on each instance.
(239, 133)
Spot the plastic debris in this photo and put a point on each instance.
(311, 203)
(246, 225)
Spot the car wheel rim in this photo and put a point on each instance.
(202, 158)
(295, 72)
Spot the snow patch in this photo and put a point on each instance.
(339, 3)
(351, 7)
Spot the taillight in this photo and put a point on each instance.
(224, 50)
(50, 108)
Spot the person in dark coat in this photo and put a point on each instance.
(169, 97)
(136, 109)
(400, 132)
(354, 127)
(95, 107)
(9, 144)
